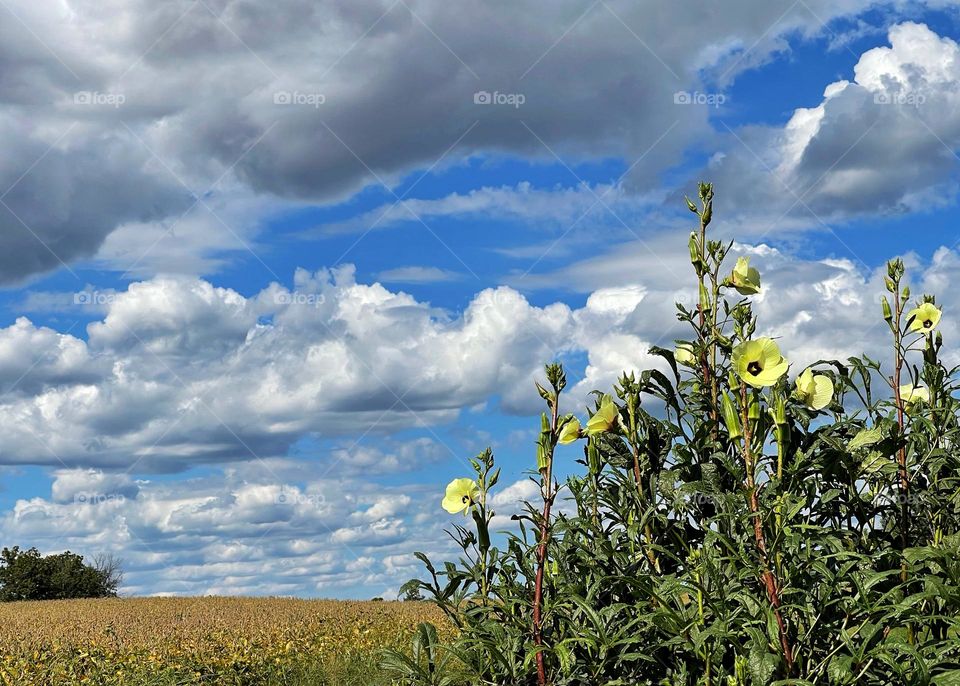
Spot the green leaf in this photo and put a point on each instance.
(865, 438)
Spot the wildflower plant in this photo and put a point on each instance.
(727, 519)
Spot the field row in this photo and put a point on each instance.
(223, 641)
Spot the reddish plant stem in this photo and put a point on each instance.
(704, 361)
(767, 577)
(902, 452)
(542, 552)
(647, 529)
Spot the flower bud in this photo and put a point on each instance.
(544, 393)
(887, 312)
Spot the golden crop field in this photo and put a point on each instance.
(222, 641)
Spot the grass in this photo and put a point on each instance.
(211, 641)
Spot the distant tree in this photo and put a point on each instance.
(110, 568)
(377, 599)
(28, 575)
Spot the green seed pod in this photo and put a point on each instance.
(694, 249)
(887, 312)
(779, 411)
(730, 417)
(542, 461)
(593, 458)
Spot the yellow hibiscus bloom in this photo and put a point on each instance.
(759, 362)
(684, 355)
(605, 418)
(570, 431)
(461, 495)
(814, 390)
(924, 319)
(911, 394)
(745, 279)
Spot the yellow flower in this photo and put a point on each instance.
(605, 418)
(684, 355)
(745, 279)
(814, 390)
(925, 318)
(570, 431)
(759, 362)
(461, 495)
(911, 394)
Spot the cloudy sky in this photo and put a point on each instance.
(271, 272)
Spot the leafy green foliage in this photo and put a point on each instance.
(27, 575)
(725, 525)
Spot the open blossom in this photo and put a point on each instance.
(745, 279)
(924, 319)
(910, 394)
(570, 431)
(605, 418)
(684, 355)
(759, 362)
(814, 390)
(461, 495)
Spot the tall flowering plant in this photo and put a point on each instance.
(727, 519)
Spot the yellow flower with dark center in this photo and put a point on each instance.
(759, 362)
(745, 279)
(814, 390)
(461, 495)
(605, 418)
(924, 319)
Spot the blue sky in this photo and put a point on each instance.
(270, 276)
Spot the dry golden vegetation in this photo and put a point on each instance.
(229, 641)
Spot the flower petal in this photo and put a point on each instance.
(823, 393)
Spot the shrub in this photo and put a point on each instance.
(731, 521)
(27, 575)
